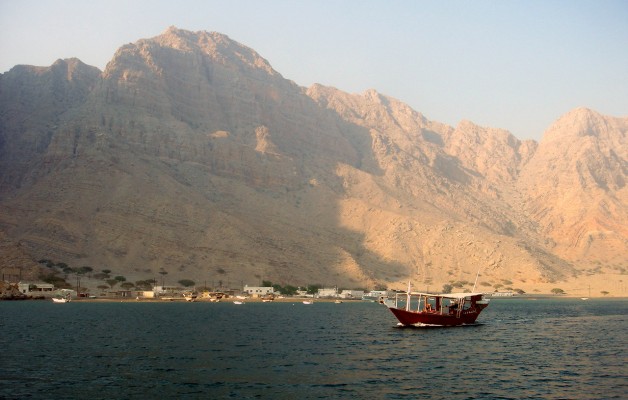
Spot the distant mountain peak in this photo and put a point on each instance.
(187, 40)
(214, 44)
(579, 122)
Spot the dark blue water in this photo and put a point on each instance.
(545, 349)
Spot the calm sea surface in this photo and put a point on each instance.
(523, 349)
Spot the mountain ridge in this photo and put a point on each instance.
(190, 154)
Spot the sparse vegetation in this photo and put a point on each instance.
(84, 270)
(55, 280)
(558, 291)
(187, 283)
(163, 274)
(145, 285)
(287, 290)
(313, 289)
(52, 276)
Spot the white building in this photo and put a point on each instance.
(258, 291)
(328, 292)
(503, 294)
(352, 294)
(35, 288)
(163, 290)
(377, 295)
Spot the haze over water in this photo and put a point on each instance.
(550, 349)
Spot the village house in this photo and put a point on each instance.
(36, 288)
(258, 291)
(352, 294)
(328, 292)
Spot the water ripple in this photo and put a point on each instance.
(521, 349)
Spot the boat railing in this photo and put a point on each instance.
(457, 304)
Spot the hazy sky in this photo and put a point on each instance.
(516, 65)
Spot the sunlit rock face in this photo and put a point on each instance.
(191, 155)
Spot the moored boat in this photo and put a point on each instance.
(190, 296)
(428, 309)
(60, 300)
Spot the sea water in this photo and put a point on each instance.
(520, 349)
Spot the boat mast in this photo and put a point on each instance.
(476, 280)
(408, 298)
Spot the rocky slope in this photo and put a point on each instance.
(192, 156)
(575, 187)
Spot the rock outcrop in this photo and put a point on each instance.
(575, 187)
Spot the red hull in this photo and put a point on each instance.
(408, 318)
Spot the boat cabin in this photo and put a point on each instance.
(450, 303)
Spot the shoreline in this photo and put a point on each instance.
(300, 299)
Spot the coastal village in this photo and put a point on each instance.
(47, 291)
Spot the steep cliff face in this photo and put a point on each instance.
(191, 154)
(494, 153)
(33, 101)
(575, 186)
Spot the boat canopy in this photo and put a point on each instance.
(445, 295)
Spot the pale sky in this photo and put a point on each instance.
(515, 65)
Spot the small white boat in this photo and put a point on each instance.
(238, 302)
(308, 302)
(587, 298)
(60, 300)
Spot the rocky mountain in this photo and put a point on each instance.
(575, 188)
(190, 156)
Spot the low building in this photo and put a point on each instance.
(164, 290)
(35, 288)
(258, 291)
(503, 294)
(328, 292)
(352, 294)
(377, 295)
